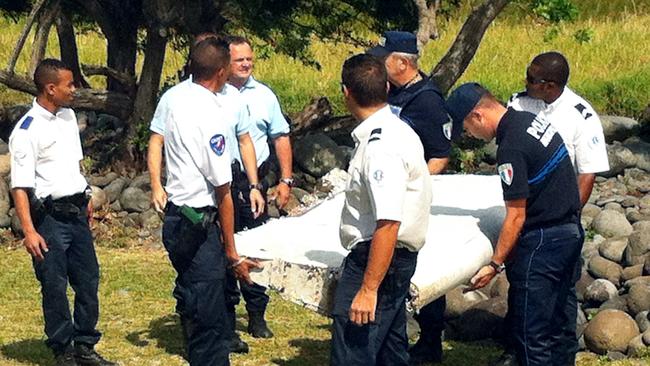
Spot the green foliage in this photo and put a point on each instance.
(551, 33)
(583, 35)
(554, 11)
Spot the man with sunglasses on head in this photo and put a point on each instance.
(548, 96)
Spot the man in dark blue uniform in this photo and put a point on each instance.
(541, 237)
(52, 203)
(418, 101)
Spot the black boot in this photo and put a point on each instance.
(85, 355)
(257, 325)
(65, 358)
(428, 349)
(235, 344)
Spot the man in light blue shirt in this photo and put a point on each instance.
(268, 125)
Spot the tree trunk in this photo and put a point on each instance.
(455, 62)
(23, 35)
(427, 24)
(68, 49)
(45, 20)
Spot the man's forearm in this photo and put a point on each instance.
(285, 158)
(437, 165)
(21, 201)
(154, 159)
(382, 248)
(585, 186)
(249, 160)
(226, 220)
(512, 225)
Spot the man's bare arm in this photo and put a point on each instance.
(249, 159)
(585, 186)
(34, 242)
(285, 158)
(154, 164)
(437, 165)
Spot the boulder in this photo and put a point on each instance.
(615, 206)
(5, 164)
(4, 147)
(616, 128)
(114, 189)
(98, 197)
(135, 200)
(150, 219)
(615, 303)
(643, 280)
(620, 158)
(600, 267)
(646, 265)
(638, 246)
(644, 202)
(615, 355)
(613, 249)
(610, 330)
(643, 320)
(318, 154)
(646, 337)
(641, 151)
(634, 216)
(630, 201)
(5, 203)
(458, 301)
(591, 210)
(102, 181)
(142, 181)
(641, 225)
(600, 291)
(636, 347)
(631, 272)
(583, 282)
(483, 320)
(500, 286)
(610, 224)
(638, 299)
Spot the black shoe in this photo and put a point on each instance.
(86, 355)
(426, 351)
(66, 358)
(506, 359)
(237, 345)
(257, 325)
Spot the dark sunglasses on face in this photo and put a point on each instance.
(532, 80)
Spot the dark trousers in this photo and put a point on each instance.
(199, 260)
(254, 294)
(71, 257)
(541, 273)
(431, 319)
(383, 342)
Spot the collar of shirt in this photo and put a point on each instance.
(363, 130)
(251, 83)
(550, 107)
(198, 89)
(41, 112)
(501, 128)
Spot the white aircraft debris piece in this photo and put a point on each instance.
(302, 255)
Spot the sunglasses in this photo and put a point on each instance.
(531, 80)
(342, 87)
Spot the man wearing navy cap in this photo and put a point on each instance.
(418, 101)
(542, 220)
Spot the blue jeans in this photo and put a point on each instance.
(199, 260)
(541, 272)
(383, 342)
(71, 257)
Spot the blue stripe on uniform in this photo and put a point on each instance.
(550, 165)
(26, 122)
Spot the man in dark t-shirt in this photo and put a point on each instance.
(542, 220)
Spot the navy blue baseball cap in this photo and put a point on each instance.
(462, 100)
(395, 41)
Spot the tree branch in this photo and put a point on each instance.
(23, 36)
(68, 49)
(128, 81)
(455, 62)
(45, 20)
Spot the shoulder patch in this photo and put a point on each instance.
(447, 130)
(26, 122)
(375, 135)
(218, 144)
(506, 173)
(583, 111)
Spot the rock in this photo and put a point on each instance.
(610, 223)
(610, 330)
(635, 216)
(5, 164)
(631, 272)
(103, 180)
(613, 249)
(483, 320)
(583, 282)
(600, 291)
(644, 202)
(591, 210)
(135, 200)
(459, 301)
(643, 320)
(600, 267)
(82, 120)
(150, 219)
(620, 157)
(318, 154)
(636, 346)
(109, 122)
(590, 248)
(98, 197)
(116, 206)
(299, 193)
(114, 189)
(16, 112)
(646, 266)
(638, 245)
(641, 151)
(142, 181)
(630, 201)
(132, 220)
(617, 128)
(615, 303)
(500, 286)
(615, 355)
(643, 280)
(641, 225)
(646, 337)
(5, 198)
(4, 147)
(638, 299)
(615, 207)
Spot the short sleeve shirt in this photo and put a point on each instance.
(45, 153)
(388, 181)
(196, 145)
(534, 164)
(421, 106)
(577, 123)
(267, 120)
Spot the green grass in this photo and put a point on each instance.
(612, 70)
(139, 326)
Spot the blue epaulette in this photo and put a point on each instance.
(26, 122)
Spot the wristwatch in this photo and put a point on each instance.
(287, 181)
(257, 186)
(497, 267)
